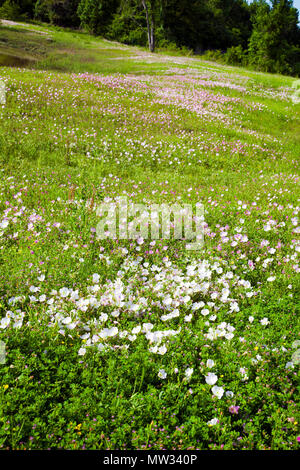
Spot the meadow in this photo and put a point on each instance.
(143, 344)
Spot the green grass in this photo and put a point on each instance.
(88, 120)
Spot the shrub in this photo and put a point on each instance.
(10, 10)
(235, 56)
(215, 56)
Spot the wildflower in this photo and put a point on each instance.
(64, 292)
(188, 318)
(34, 289)
(197, 305)
(211, 378)
(162, 350)
(234, 409)
(4, 322)
(140, 240)
(213, 422)
(218, 391)
(289, 365)
(162, 374)
(204, 312)
(188, 373)
(96, 278)
(210, 363)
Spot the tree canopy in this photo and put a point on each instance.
(265, 35)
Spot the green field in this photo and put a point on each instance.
(141, 343)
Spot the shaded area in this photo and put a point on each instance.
(9, 60)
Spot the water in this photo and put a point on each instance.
(13, 61)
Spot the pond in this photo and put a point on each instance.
(14, 61)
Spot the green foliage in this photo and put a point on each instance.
(235, 56)
(96, 15)
(58, 12)
(213, 55)
(230, 23)
(274, 43)
(176, 130)
(128, 25)
(10, 10)
(262, 35)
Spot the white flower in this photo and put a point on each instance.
(167, 301)
(132, 337)
(229, 336)
(243, 372)
(136, 330)
(64, 292)
(218, 391)
(107, 332)
(229, 394)
(213, 422)
(162, 374)
(4, 224)
(34, 289)
(188, 318)
(96, 278)
(162, 350)
(81, 351)
(271, 278)
(4, 322)
(264, 321)
(234, 307)
(197, 305)
(85, 336)
(289, 365)
(147, 327)
(115, 313)
(251, 319)
(140, 240)
(18, 323)
(210, 363)
(188, 373)
(211, 378)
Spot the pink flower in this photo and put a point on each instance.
(234, 409)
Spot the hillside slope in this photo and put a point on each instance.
(141, 343)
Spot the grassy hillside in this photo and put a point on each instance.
(135, 344)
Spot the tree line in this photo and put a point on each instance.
(263, 34)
